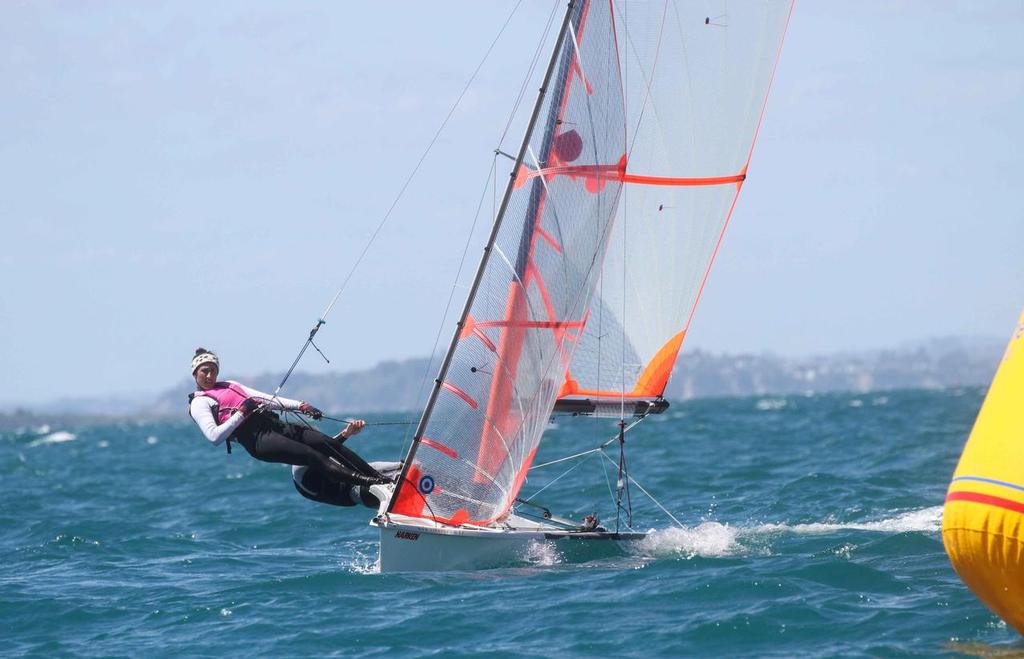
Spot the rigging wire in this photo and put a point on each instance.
(489, 183)
(372, 423)
(601, 449)
(529, 74)
(607, 443)
(321, 320)
(649, 495)
(556, 479)
(300, 415)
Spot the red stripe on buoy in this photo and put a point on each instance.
(976, 497)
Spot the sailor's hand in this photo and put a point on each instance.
(306, 408)
(354, 427)
(249, 405)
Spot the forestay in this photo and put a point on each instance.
(696, 78)
(509, 359)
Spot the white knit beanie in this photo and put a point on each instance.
(204, 358)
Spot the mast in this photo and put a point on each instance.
(443, 370)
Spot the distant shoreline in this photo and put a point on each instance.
(397, 386)
(41, 422)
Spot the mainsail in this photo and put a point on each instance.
(654, 103)
(529, 303)
(696, 79)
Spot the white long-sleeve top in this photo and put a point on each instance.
(201, 409)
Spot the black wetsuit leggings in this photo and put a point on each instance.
(269, 439)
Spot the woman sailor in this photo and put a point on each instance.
(229, 411)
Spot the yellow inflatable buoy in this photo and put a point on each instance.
(983, 520)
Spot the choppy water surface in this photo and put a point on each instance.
(810, 527)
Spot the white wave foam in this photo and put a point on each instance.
(542, 554)
(925, 520)
(771, 404)
(363, 563)
(715, 540)
(54, 438)
(709, 539)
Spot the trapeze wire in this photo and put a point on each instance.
(560, 476)
(649, 495)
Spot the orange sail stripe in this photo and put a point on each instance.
(461, 394)
(438, 446)
(617, 173)
(533, 324)
(493, 450)
(479, 333)
(547, 237)
(682, 182)
(470, 328)
(654, 379)
(520, 479)
(569, 387)
(533, 276)
(650, 384)
(467, 327)
(499, 403)
(614, 172)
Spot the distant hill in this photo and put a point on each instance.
(403, 385)
(935, 364)
(390, 385)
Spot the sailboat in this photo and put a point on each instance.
(633, 158)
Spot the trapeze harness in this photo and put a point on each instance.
(269, 439)
(227, 397)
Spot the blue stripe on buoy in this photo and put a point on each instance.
(989, 480)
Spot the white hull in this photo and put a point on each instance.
(418, 545)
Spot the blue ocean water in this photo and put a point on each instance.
(810, 527)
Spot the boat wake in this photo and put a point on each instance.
(716, 540)
(709, 539)
(926, 520)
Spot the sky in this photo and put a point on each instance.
(185, 174)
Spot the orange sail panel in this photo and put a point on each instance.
(502, 419)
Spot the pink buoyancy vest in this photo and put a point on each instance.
(229, 397)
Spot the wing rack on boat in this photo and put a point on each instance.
(609, 407)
